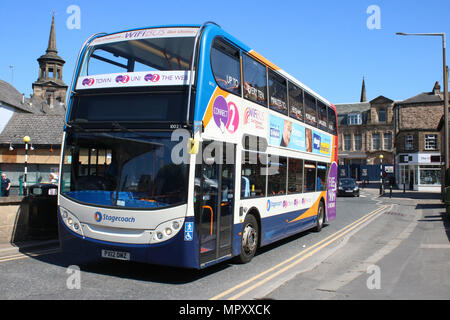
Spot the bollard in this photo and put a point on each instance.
(390, 191)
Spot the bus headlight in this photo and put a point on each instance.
(71, 221)
(167, 230)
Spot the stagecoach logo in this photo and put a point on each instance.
(274, 204)
(88, 82)
(152, 77)
(225, 115)
(98, 216)
(122, 79)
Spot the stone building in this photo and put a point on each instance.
(417, 141)
(41, 117)
(366, 132)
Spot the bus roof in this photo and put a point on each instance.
(244, 47)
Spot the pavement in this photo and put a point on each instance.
(409, 248)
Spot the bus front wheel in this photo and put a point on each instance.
(249, 239)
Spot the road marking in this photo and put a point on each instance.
(19, 256)
(300, 256)
(434, 246)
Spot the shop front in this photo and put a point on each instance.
(419, 171)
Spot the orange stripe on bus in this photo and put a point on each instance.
(256, 55)
(312, 211)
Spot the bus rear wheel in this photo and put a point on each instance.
(320, 217)
(249, 239)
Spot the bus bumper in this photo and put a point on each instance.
(174, 252)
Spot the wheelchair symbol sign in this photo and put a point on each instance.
(188, 231)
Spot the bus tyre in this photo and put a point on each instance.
(249, 239)
(320, 217)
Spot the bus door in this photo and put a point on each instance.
(214, 200)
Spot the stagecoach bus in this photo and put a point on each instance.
(184, 147)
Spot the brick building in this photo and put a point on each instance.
(417, 141)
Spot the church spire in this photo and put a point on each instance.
(363, 92)
(50, 85)
(52, 38)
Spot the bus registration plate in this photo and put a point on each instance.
(119, 255)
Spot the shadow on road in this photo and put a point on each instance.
(147, 272)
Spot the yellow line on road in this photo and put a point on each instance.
(301, 255)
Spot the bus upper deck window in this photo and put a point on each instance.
(226, 66)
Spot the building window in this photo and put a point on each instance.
(358, 142)
(347, 142)
(382, 115)
(387, 141)
(354, 118)
(430, 175)
(376, 141)
(431, 142)
(409, 142)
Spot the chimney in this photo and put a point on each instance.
(436, 88)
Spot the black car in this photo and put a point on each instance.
(348, 186)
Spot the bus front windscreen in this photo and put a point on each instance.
(123, 170)
(147, 50)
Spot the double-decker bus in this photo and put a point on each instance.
(184, 147)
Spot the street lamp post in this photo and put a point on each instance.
(446, 133)
(26, 139)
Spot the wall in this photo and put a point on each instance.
(13, 220)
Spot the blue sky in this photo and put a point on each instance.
(325, 44)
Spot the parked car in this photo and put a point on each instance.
(348, 186)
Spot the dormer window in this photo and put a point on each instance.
(354, 118)
(382, 115)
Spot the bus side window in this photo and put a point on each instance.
(225, 61)
(295, 175)
(310, 110)
(253, 174)
(255, 80)
(310, 177)
(277, 173)
(322, 111)
(332, 121)
(321, 176)
(277, 93)
(295, 102)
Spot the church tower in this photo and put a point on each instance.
(50, 85)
